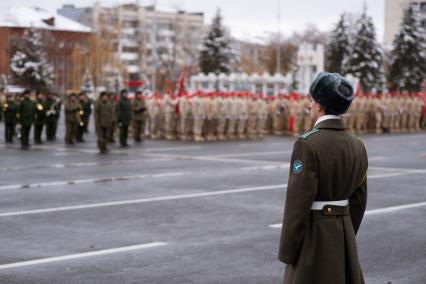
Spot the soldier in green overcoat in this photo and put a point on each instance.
(40, 117)
(138, 116)
(53, 108)
(113, 104)
(124, 117)
(26, 114)
(103, 121)
(72, 118)
(81, 127)
(326, 193)
(10, 109)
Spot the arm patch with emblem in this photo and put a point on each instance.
(297, 167)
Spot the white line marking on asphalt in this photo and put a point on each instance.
(83, 181)
(82, 164)
(284, 166)
(80, 255)
(378, 211)
(170, 197)
(394, 208)
(250, 154)
(143, 200)
(378, 158)
(164, 157)
(213, 158)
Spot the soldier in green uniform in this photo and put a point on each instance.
(53, 108)
(9, 116)
(72, 118)
(326, 194)
(103, 121)
(26, 113)
(40, 118)
(87, 109)
(124, 116)
(113, 104)
(81, 127)
(138, 116)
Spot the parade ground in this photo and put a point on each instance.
(185, 212)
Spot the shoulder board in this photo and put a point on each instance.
(307, 134)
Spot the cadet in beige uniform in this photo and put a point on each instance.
(223, 116)
(262, 116)
(232, 117)
(199, 111)
(169, 106)
(252, 117)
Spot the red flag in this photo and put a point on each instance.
(291, 122)
(358, 90)
(181, 85)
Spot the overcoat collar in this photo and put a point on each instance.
(331, 124)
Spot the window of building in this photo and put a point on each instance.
(422, 6)
(130, 49)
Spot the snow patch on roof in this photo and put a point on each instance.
(26, 17)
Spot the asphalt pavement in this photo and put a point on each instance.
(185, 212)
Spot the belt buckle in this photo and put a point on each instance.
(333, 210)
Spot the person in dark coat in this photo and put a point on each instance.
(10, 109)
(72, 118)
(40, 118)
(112, 100)
(26, 113)
(326, 194)
(138, 116)
(81, 127)
(124, 117)
(53, 109)
(103, 121)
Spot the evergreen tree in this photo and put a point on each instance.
(216, 55)
(366, 59)
(338, 48)
(30, 63)
(407, 66)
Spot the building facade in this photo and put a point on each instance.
(149, 44)
(61, 38)
(310, 61)
(394, 11)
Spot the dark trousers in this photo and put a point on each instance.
(111, 132)
(51, 129)
(9, 131)
(137, 130)
(124, 132)
(102, 133)
(25, 135)
(38, 130)
(79, 133)
(86, 121)
(70, 128)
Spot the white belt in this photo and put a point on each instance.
(319, 205)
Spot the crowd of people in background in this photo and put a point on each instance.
(213, 116)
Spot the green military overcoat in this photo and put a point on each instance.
(103, 114)
(124, 111)
(138, 109)
(26, 112)
(327, 164)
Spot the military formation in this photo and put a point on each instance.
(213, 116)
(229, 116)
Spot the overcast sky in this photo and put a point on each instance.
(251, 18)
